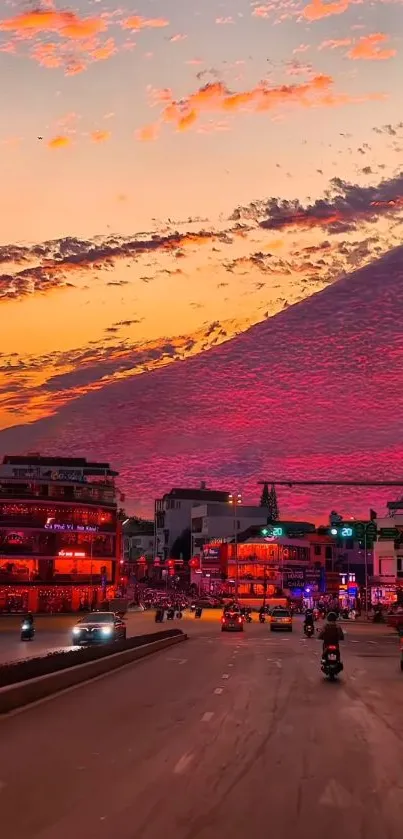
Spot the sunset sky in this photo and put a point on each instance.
(175, 172)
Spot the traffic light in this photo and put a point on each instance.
(342, 531)
(355, 530)
(273, 531)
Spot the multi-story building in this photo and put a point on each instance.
(59, 533)
(221, 521)
(173, 514)
(281, 560)
(387, 579)
(138, 546)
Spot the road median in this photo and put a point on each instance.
(28, 681)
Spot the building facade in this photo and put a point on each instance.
(138, 547)
(59, 533)
(386, 583)
(221, 521)
(173, 515)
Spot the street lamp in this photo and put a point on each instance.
(235, 499)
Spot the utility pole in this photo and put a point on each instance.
(235, 500)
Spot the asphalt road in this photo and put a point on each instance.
(53, 633)
(225, 735)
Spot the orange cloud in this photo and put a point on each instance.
(135, 22)
(334, 44)
(46, 55)
(104, 51)
(100, 136)
(67, 24)
(317, 92)
(368, 48)
(318, 9)
(59, 142)
(148, 133)
(262, 11)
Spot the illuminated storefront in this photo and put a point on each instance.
(51, 542)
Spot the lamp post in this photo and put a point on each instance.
(235, 499)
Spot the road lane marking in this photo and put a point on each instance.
(207, 716)
(178, 660)
(230, 665)
(183, 764)
(218, 690)
(225, 676)
(336, 796)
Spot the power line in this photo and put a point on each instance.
(291, 483)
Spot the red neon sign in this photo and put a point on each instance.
(73, 554)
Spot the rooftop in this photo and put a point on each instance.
(200, 494)
(35, 459)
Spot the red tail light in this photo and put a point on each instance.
(239, 620)
(332, 648)
(222, 620)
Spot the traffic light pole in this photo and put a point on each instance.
(366, 571)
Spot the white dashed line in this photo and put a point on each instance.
(218, 690)
(230, 665)
(225, 676)
(183, 764)
(207, 716)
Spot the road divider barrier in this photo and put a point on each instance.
(24, 682)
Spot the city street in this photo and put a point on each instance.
(53, 633)
(224, 735)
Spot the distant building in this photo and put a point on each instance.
(284, 559)
(59, 533)
(173, 514)
(138, 546)
(387, 579)
(220, 521)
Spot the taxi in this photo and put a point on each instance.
(281, 619)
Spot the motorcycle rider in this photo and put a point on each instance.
(29, 618)
(309, 619)
(332, 633)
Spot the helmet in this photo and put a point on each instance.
(332, 617)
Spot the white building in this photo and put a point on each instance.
(173, 514)
(388, 555)
(222, 521)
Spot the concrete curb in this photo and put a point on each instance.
(24, 693)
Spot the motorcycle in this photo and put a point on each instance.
(262, 618)
(309, 630)
(331, 662)
(247, 618)
(27, 631)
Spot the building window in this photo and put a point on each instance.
(238, 524)
(328, 552)
(318, 550)
(349, 544)
(400, 563)
(177, 505)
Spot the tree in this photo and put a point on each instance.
(265, 496)
(273, 511)
(182, 546)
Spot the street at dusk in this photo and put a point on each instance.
(216, 737)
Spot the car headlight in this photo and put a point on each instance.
(76, 630)
(106, 630)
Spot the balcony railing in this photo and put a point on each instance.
(103, 499)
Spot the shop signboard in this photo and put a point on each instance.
(294, 577)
